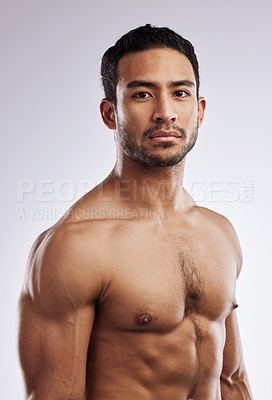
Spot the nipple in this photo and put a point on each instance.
(143, 318)
(235, 304)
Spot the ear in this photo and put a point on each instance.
(107, 111)
(201, 110)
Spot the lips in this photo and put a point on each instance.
(166, 134)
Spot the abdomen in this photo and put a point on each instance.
(181, 364)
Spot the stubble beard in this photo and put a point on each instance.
(139, 152)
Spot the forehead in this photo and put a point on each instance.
(161, 65)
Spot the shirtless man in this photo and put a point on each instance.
(131, 295)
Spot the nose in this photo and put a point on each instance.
(163, 111)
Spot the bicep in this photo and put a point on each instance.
(53, 351)
(234, 381)
(232, 356)
(56, 317)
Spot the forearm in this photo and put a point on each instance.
(235, 389)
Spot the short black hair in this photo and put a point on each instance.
(143, 38)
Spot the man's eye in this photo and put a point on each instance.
(181, 93)
(141, 95)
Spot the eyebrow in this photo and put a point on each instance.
(139, 83)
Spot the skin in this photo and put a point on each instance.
(131, 295)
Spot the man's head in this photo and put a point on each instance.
(143, 38)
(151, 85)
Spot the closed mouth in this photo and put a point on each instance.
(162, 133)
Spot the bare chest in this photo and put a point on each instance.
(155, 283)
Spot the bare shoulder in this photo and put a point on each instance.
(223, 229)
(212, 219)
(218, 220)
(71, 260)
(64, 266)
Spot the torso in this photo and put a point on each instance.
(159, 330)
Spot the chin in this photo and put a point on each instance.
(158, 161)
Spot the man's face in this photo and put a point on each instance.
(157, 112)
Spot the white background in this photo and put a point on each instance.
(51, 133)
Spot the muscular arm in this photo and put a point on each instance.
(234, 381)
(56, 317)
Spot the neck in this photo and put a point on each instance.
(150, 187)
